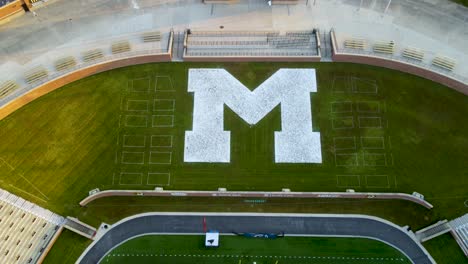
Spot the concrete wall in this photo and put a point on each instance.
(10, 11)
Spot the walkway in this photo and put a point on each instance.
(291, 224)
(437, 26)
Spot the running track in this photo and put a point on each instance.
(292, 224)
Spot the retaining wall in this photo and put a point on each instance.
(319, 195)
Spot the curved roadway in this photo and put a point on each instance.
(292, 224)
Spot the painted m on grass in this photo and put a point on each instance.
(289, 88)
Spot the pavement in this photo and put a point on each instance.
(290, 224)
(437, 26)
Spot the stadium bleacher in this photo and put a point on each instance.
(251, 43)
(460, 232)
(7, 88)
(25, 229)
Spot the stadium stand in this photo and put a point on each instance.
(25, 229)
(444, 62)
(151, 36)
(120, 47)
(251, 43)
(355, 43)
(460, 232)
(65, 63)
(387, 47)
(35, 75)
(220, 1)
(92, 55)
(413, 54)
(7, 87)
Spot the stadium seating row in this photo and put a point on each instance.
(460, 232)
(40, 73)
(388, 47)
(25, 229)
(246, 43)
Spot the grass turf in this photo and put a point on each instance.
(232, 249)
(57, 148)
(444, 249)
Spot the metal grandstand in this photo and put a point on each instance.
(251, 43)
(25, 229)
(460, 232)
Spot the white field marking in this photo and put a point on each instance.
(373, 138)
(139, 116)
(128, 174)
(373, 83)
(128, 153)
(183, 254)
(344, 155)
(168, 175)
(121, 103)
(154, 122)
(343, 118)
(344, 176)
(370, 118)
(156, 84)
(359, 110)
(377, 176)
(147, 87)
(354, 142)
(170, 109)
(375, 155)
(161, 136)
(134, 146)
(342, 103)
(346, 79)
(165, 152)
(129, 101)
(24, 178)
(120, 120)
(21, 190)
(391, 156)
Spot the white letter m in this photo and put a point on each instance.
(214, 88)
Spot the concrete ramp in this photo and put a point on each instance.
(432, 231)
(75, 225)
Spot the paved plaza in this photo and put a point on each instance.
(438, 26)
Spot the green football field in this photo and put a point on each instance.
(235, 250)
(381, 130)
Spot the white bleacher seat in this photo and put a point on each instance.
(355, 43)
(20, 219)
(413, 53)
(444, 62)
(35, 75)
(251, 43)
(386, 47)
